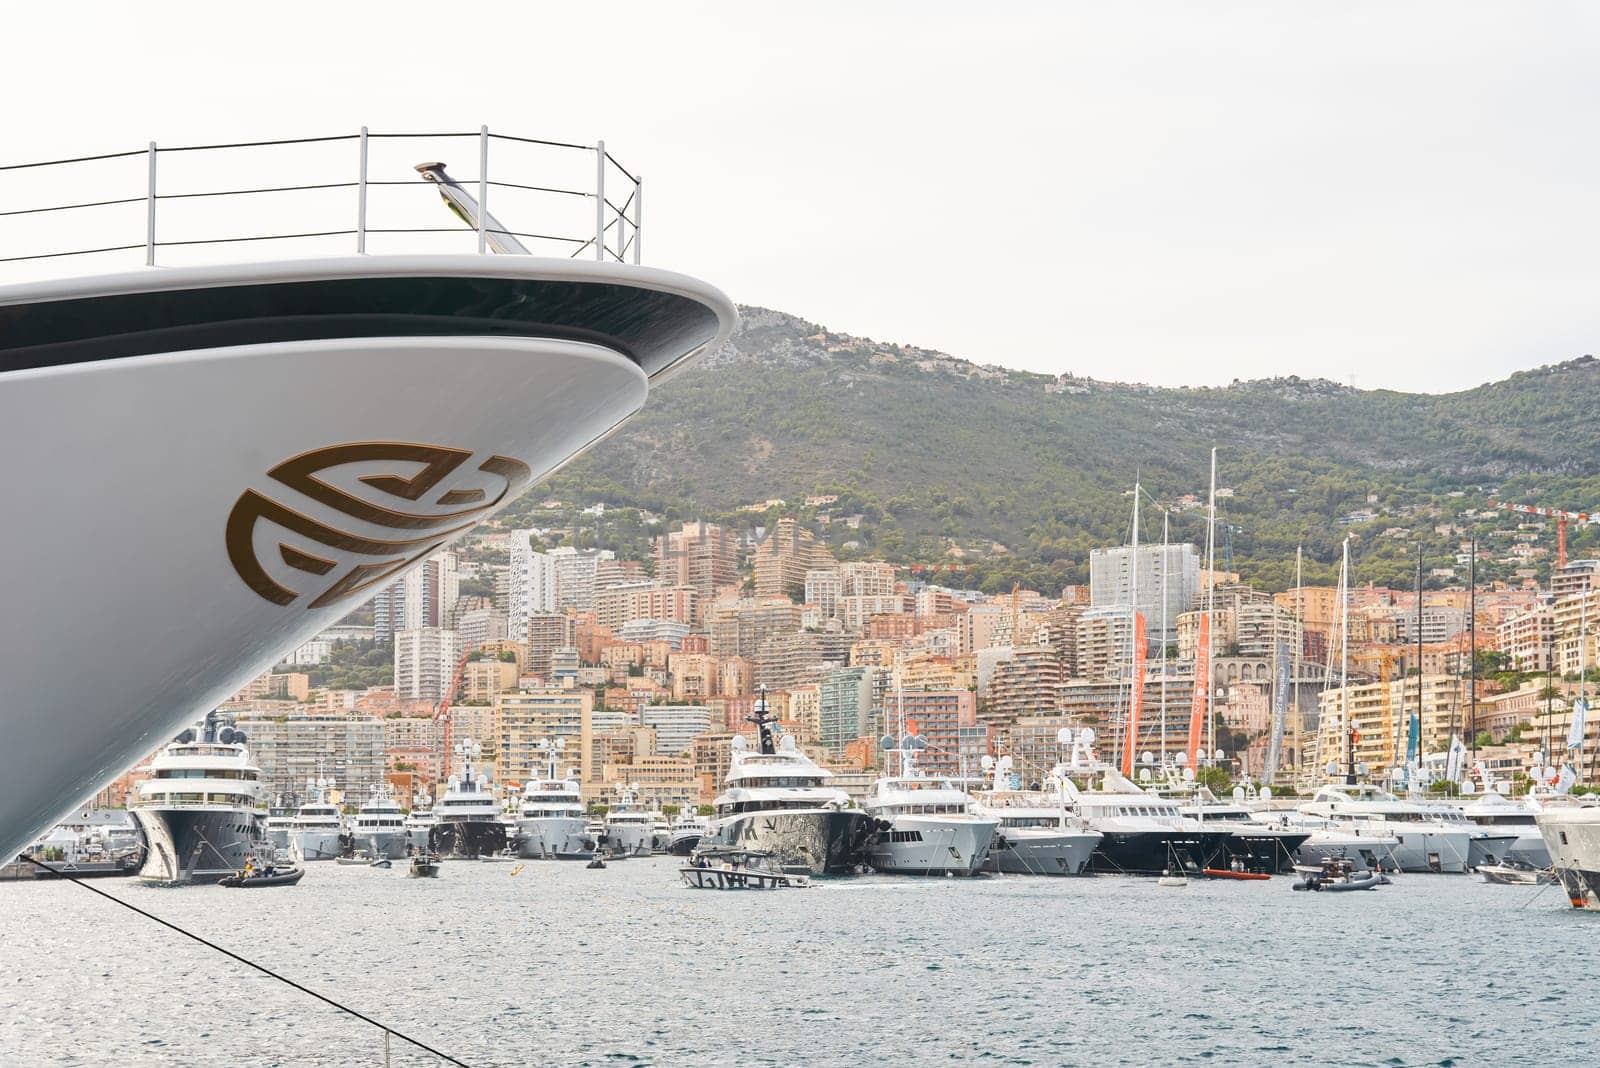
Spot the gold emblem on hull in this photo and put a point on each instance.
(419, 530)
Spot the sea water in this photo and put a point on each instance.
(561, 965)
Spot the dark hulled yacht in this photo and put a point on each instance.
(777, 800)
(200, 809)
(468, 816)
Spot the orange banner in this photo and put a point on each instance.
(1130, 740)
(1202, 683)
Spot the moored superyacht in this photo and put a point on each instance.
(1037, 834)
(1572, 833)
(777, 800)
(1258, 846)
(550, 817)
(468, 817)
(379, 826)
(317, 832)
(1140, 834)
(924, 826)
(629, 828)
(200, 809)
(1493, 811)
(278, 437)
(687, 830)
(1423, 842)
(419, 822)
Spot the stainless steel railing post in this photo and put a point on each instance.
(150, 210)
(600, 200)
(361, 198)
(483, 188)
(638, 216)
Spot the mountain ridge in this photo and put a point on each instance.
(943, 457)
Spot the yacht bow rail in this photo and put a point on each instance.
(358, 192)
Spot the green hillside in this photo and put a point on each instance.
(1019, 475)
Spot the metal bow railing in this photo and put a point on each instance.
(362, 192)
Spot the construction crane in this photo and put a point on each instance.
(1562, 518)
(442, 712)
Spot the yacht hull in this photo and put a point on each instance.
(1265, 851)
(389, 845)
(683, 843)
(467, 838)
(628, 838)
(160, 401)
(1572, 837)
(1369, 851)
(824, 842)
(1153, 852)
(195, 845)
(928, 845)
(556, 838)
(1438, 852)
(1529, 849)
(1490, 849)
(1029, 851)
(318, 845)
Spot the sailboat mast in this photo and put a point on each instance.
(1299, 651)
(1472, 644)
(1129, 742)
(1418, 769)
(1165, 516)
(1344, 664)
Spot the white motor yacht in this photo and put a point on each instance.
(777, 800)
(629, 827)
(419, 822)
(924, 826)
(278, 437)
(317, 832)
(660, 831)
(1329, 839)
(550, 816)
(1572, 834)
(280, 822)
(1492, 810)
(1486, 845)
(201, 807)
(379, 826)
(1424, 840)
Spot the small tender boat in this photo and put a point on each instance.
(359, 858)
(1232, 873)
(1336, 875)
(738, 869)
(381, 862)
(272, 877)
(1514, 874)
(424, 866)
(1171, 878)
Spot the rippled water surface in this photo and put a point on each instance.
(562, 965)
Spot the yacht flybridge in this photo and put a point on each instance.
(274, 438)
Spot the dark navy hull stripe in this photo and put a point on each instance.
(652, 328)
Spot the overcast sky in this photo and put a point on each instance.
(1401, 195)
